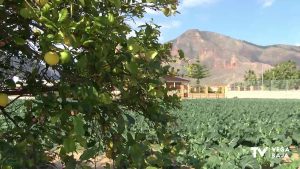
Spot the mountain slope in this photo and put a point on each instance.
(227, 58)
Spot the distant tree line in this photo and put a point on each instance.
(281, 75)
(283, 71)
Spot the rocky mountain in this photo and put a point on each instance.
(227, 58)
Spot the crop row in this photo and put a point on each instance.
(225, 133)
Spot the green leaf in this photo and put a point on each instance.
(82, 141)
(248, 162)
(19, 41)
(121, 124)
(69, 145)
(132, 67)
(213, 161)
(71, 163)
(86, 43)
(110, 18)
(82, 2)
(82, 63)
(296, 137)
(7, 167)
(153, 54)
(46, 8)
(78, 125)
(130, 120)
(150, 167)
(105, 98)
(117, 3)
(233, 142)
(50, 36)
(89, 153)
(156, 147)
(133, 45)
(63, 15)
(136, 152)
(1, 2)
(26, 13)
(228, 165)
(48, 23)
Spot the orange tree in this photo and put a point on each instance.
(91, 77)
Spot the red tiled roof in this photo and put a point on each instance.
(175, 79)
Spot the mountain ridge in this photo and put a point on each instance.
(228, 58)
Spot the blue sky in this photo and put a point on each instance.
(264, 22)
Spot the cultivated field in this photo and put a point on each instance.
(221, 132)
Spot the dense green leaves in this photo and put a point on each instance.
(117, 3)
(250, 76)
(81, 104)
(283, 71)
(220, 133)
(248, 162)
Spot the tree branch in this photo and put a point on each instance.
(15, 99)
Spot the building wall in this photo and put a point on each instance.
(291, 94)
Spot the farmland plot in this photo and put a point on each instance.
(240, 133)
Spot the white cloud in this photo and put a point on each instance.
(170, 25)
(165, 27)
(267, 3)
(192, 3)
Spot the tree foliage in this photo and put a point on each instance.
(197, 71)
(284, 71)
(250, 76)
(75, 105)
